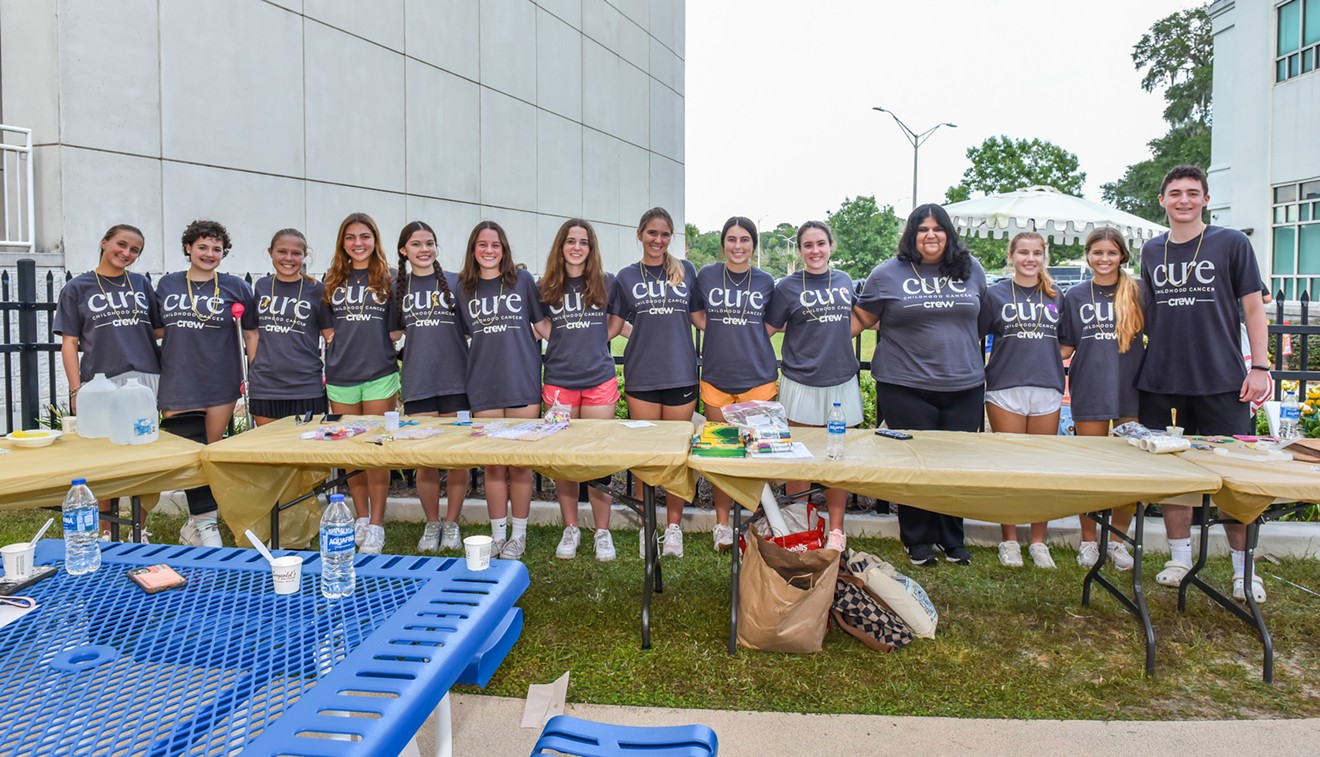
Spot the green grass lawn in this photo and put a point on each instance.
(1011, 643)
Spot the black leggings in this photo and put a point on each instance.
(192, 425)
(927, 410)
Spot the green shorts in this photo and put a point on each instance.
(382, 388)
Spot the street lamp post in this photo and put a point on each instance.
(917, 141)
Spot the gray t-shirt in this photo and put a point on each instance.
(578, 354)
(361, 350)
(815, 311)
(660, 352)
(928, 326)
(436, 349)
(504, 364)
(200, 360)
(736, 351)
(113, 319)
(1192, 317)
(288, 317)
(1025, 325)
(1102, 382)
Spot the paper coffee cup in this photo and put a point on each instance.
(478, 551)
(18, 559)
(392, 420)
(69, 425)
(286, 572)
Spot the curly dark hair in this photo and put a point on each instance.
(957, 261)
(201, 229)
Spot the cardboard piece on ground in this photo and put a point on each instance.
(544, 701)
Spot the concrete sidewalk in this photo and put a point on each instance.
(490, 726)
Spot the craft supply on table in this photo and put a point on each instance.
(524, 432)
(337, 431)
(718, 440)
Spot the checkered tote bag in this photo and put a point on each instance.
(859, 612)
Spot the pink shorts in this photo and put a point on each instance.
(605, 394)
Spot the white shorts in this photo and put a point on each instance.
(810, 405)
(1026, 400)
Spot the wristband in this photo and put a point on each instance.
(1265, 368)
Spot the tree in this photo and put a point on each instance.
(702, 248)
(864, 235)
(1177, 54)
(1001, 164)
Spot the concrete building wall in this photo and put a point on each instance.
(265, 114)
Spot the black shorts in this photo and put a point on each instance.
(677, 396)
(1208, 415)
(277, 409)
(445, 404)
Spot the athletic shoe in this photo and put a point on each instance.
(200, 532)
(604, 545)
(514, 549)
(838, 541)
(360, 530)
(452, 538)
(673, 541)
(1257, 589)
(568, 545)
(924, 555)
(958, 555)
(496, 548)
(1010, 554)
(1173, 573)
(1040, 555)
(430, 540)
(374, 544)
(723, 536)
(1119, 556)
(1088, 554)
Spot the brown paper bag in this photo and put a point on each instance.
(785, 597)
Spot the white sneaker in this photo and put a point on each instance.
(200, 532)
(1088, 554)
(673, 541)
(723, 535)
(514, 549)
(374, 543)
(1120, 557)
(360, 530)
(188, 535)
(452, 538)
(496, 547)
(837, 541)
(568, 545)
(641, 543)
(1257, 589)
(1040, 555)
(604, 546)
(430, 540)
(1173, 573)
(1010, 554)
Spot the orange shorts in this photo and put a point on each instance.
(607, 393)
(715, 398)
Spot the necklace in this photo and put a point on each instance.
(295, 321)
(494, 316)
(645, 273)
(939, 283)
(1035, 321)
(829, 285)
(435, 293)
(1188, 275)
(1099, 324)
(128, 283)
(192, 296)
(746, 283)
(580, 290)
(366, 290)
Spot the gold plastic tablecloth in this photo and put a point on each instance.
(1000, 478)
(252, 471)
(1249, 487)
(39, 477)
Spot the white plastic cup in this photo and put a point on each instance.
(478, 550)
(286, 572)
(392, 420)
(464, 417)
(69, 425)
(18, 559)
(1174, 431)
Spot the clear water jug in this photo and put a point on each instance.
(134, 419)
(95, 400)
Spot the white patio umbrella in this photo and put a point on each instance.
(1054, 215)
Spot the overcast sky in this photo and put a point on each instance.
(779, 96)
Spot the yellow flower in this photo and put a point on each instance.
(1309, 409)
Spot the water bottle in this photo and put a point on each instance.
(95, 399)
(337, 573)
(82, 543)
(1290, 415)
(135, 419)
(837, 429)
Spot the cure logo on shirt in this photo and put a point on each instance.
(484, 310)
(828, 305)
(721, 298)
(207, 307)
(274, 308)
(117, 301)
(933, 286)
(1029, 312)
(1099, 316)
(1181, 274)
(655, 293)
(573, 303)
(421, 305)
(351, 296)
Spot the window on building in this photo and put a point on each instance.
(1297, 49)
(1295, 254)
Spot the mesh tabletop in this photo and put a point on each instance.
(224, 665)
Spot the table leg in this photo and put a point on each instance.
(444, 728)
(135, 512)
(734, 570)
(651, 580)
(1202, 552)
(1136, 604)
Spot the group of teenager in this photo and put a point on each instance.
(1139, 349)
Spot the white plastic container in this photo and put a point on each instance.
(95, 400)
(134, 418)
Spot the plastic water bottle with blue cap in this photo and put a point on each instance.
(338, 576)
(82, 542)
(836, 427)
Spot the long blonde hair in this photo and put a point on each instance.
(1129, 320)
(1045, 284)
(673, 268)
